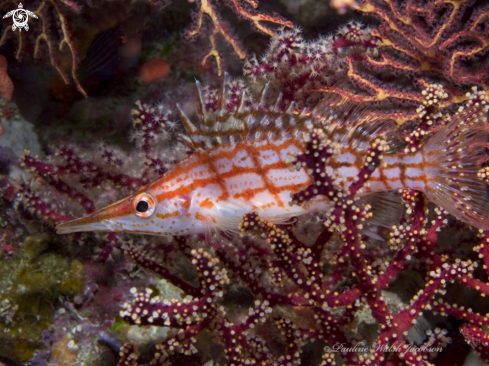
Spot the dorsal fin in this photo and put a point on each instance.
(242, 103)
(277, 103)
(222, 93)
(229, 115)
(263, 94)
(189, 128)
(200, 99)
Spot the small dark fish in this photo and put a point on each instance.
(112, 52)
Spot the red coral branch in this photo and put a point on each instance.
(44, 35)
(478, 339)
(387, 67)
(419, 37)
(206, 8)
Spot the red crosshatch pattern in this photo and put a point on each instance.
(240, 172)
(259, 172)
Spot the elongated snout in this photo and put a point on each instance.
(101, 220)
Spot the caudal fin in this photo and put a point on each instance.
(456, 182)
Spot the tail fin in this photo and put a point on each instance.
(461, 149)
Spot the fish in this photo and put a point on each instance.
(113, 52)
(241, 162)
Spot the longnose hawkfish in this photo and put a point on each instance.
(242, 157)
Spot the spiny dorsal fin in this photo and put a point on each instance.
(241, 103)
(277, 103)
(263, 94)
(222, 93)
(189, 128)
(229, 115)
(200, 100)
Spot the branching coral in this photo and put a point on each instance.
(424, 41)
(44, 34)
(54, 11)
(244, 9)
(379, 66)
(439, 37)
(298, 68)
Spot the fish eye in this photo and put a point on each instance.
(144, 204)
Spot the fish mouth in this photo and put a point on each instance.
(82, 224)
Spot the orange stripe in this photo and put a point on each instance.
(204, 158)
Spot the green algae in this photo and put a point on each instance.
(30, 283)
(35, 245)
